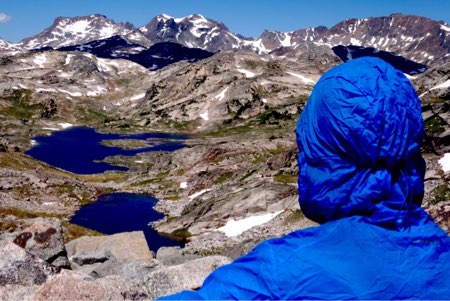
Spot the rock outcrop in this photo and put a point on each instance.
(128, 245)
(44, 239)
(187, 276)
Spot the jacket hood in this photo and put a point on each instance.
(359, 140)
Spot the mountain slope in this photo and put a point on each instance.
(417, 38)
(194, 31)
(79, 30)
(156, 57)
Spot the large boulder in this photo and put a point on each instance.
(71, 285)
(44, 239)
(127, 245)
(188, 276)
(132, 269)
(21, 273)
(173, 256)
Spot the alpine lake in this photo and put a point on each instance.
(82, 150)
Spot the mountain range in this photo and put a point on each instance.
(417, 38)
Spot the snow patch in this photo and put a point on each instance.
(40, 59)
(138, 161)
(445, 27)
(183, 185)
(445, 162)
(137, 97)
(204, 116)
(221, 95)
(197, 194)
(356, 42)
(264, 100)
(74, 94)
(302, 78)
(444, 85)
(247, 73)
(235, 228)
(68, 58)
(50, 129)
(45, 90)
(65, 125)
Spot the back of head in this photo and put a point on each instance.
(359, 140)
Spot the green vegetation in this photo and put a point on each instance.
(278, 150)
(250, 64)
(19, 213)
(108, 176)
(224, 177)
(72, 231)
(20, 105)
(159, 179)
(124, 81)
(294, 217)
(285, 178)
(250, 173)
(435, 125)
(440, 194)
(180, 234)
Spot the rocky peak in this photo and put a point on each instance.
(417, 38)
(193, 31)
(5, 45)
(71, 31)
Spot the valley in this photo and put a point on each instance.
(233, 183)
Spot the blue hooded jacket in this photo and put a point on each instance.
(360, 176)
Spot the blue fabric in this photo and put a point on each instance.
(361, 177)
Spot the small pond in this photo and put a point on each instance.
(123, 212)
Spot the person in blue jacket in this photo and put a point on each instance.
(361, 177)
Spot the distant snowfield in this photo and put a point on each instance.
(235, 228)
(445, 162)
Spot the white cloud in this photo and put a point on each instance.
(4, 18)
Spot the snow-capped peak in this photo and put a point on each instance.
(71, 31)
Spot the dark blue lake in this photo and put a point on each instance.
(79, 149)
(123, 212)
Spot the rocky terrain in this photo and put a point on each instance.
(237, 172)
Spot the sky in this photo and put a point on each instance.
(24, 18)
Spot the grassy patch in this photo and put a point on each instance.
(250, 64)
(20, 105)
(173, 198)
(285, 178)
(159, 179)
(277, 150)
(19, 213)
(181, 234)
(108, 176)
(435, 125)
(250, 173)
(440, 194)
(72, 231)
(224, 177)
(294, 217)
